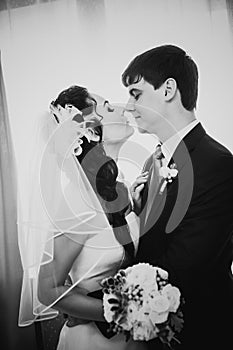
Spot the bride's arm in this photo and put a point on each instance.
(52, 278)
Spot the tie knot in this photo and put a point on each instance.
(158, 152)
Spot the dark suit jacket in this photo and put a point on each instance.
(189, 234)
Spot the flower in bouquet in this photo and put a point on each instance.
(141, 303)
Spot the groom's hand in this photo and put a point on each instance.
(136, 189)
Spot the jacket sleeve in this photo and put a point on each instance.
(202, 240)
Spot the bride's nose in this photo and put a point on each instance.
(130, 105)
(126, 115)
(122, 112)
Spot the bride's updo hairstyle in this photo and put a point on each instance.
(100, 169)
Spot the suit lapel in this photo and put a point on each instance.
(183, 162)
(183, 159)
(187, 145)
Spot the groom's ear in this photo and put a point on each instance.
(170, 88)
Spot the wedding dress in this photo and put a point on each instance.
(105, 248)
(64, 202)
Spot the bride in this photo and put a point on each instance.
(83, 235)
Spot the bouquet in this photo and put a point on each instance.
(140, 302)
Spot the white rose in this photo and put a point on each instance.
(143, 269)
(141, 331)
(132, 312)
(142, 274)
(173, 296)
(144, 332)
(144, 314)
(159, 303)
(126, 325)
(150, 285)
(162, 273)
(157, 318)
(128, 270)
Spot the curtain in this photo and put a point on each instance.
(10, 264)
(48, 45)
(230, 13)
(13, 4)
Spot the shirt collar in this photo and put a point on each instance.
(168, 147)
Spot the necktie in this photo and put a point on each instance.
(155, 178)
(124, 236)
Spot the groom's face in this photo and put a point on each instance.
(146, 105)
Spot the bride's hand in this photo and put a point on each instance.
(136, 189)
(63, 113)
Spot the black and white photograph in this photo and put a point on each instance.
(116, 173)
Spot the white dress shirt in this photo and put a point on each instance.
(168, 147)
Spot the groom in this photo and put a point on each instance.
(186, 224)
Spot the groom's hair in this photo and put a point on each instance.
(155, 66)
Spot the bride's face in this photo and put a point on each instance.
(116, 126)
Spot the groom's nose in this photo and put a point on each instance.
(130, 105)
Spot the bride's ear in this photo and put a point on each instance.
(170, 88)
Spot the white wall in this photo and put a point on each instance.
(45, 48)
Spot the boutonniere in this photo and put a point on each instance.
(168, 174)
